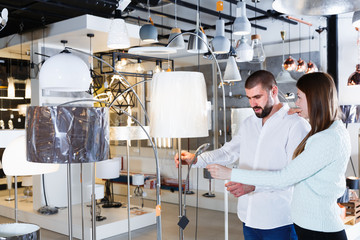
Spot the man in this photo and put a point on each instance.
(265, 141)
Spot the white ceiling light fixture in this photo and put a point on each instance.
(220, 43)
(232, 73)
(118, 37)
(241, 24)
(11, 88)
(3, 18)
(178, 42)
(244, 52)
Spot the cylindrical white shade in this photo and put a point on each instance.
(178, 105)
(99, 191)
(128, 133)
(118, 37)
(108, 169)
(27, 181)
(65, 72)
(15, 164)
(232, 73)
(137, 179)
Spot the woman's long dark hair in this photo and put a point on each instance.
(320, 91)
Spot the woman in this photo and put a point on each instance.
(318, 167)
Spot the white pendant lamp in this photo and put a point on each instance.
(11, 88)
(232, 73)
(244, 52)
(220, 43)
(284, 76)
(65, 72)
(118, 37)
(242, 24)
(178, 42)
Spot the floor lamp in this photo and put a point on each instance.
(178, 110)
(128, 133)
(15, 164)
(67, 135)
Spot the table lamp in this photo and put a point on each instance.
(66, 135)
(138, 181)
(15, 164)
(109, 169)
(128, 133)
(178, 110)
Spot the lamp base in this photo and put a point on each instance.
(189, 192)
(47, 210)
(209, 195)
(112, 205)
(9, 199)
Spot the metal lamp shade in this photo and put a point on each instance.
(220, 43)
(148, 33)
(314, 8)
(232, 73)
(241, 24)
(14, 160)
(178, 105)
(196, 45)
(65, 134)
(178, 42)
(118, 37)
(19, 231)
(65, 72)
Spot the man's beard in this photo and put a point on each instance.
(265, 111)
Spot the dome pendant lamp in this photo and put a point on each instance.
(148, 32)
(196, 45)
(177, 43)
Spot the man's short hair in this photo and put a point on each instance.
(263, 77)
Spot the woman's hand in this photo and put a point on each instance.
(219, 172)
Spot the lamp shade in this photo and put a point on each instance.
(315, 8)
(65, 134)
(242, 24)
(118, 37)
(354, 78)
(244, 52)
(352, 182)
(220, 43)
(65, 72)
(12, 231)
(178, 42)
(108, 169)
(178, 105)
(232, 73)
(196, 45)
(27, 181)
(356, 19)
(284, 77)
(11, 88)
(99, 191)
(15, 164)
(128, 133)
(148, 33)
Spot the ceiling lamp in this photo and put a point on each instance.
(139, 68)
(241, 24)
(148, 32)
(289, 64)
(178, 42)
(356, 19)
(220, 43)
(284, 76)
(198, 40)
(65, 72)
(258, 50)
(244, 52)
(11, 88)
(232, 73)
(315, 8)
(3, 18)
(354, 78)
(118, 37)
(311, 67)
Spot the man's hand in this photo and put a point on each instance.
(239, 189)
(186, 158)
(219, 172)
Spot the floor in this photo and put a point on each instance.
(210, 230)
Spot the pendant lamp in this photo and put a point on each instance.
(302, 64)
(11, 88)
(311, 67)
(232, 73)
(257, 47)
(148, 32)
(284, 76)
(289, 64)
(244, 52)
(196, 45)
(220, 43)
(241, 24)
(356, 19)
(118, 37)
(177, 43)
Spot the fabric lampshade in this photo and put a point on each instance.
(65, 72)
(178, 105)
(118, 37)
(108, 169)
(15, 164)
(128, 133)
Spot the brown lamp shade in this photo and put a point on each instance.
(65, 134)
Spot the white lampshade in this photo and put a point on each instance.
(244, 52)
(99, 191)
(108, 169)
(128, 133)
(118, 37)
(178, 42)
(241, 24)
(27, 181)
(356, 19)
(284, 77)
(137, 179)
(15, 164)
(178, 105)
(220, 43)
(28, 88)
(11, 88)
(232, 73)
(65, 72)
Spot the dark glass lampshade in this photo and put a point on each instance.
(290, 64)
